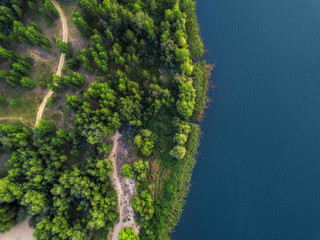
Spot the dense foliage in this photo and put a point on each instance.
(65, 202)
(143, 53)
(70, 79)
(19, 68)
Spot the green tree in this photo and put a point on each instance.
(186, 101)
(178, 152)
(3, 74)
(144, 142)
(27, 82)
(181, 138)
(44, 128)
(51, 9)
(30, 35)
(81, 24)
(35, 201)
(71, 79)
(45, 79)
(65, 47)
(12, 137)
(7, 217)
(127, 171)
(127, 234)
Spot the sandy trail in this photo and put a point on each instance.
(123, 203)
(61, 62)
(22, 231)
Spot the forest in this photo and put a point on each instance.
(149, 84)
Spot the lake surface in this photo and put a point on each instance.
(258, 173)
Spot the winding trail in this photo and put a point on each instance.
(61, 62)
(121, 204)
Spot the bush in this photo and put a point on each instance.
(49, 102)
(27, 82)
(144, 142)
(44, 80)
(8, 215)
(178, 152)
(3, 74)
(105, 148)
(45, 127)
(127, 171)
(64, 47)
(72, 63)
(71, 79)
(15, 103)
(50, 8)
(127, 234)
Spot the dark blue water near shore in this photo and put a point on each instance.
(258, 173)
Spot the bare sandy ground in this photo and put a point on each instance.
(21, 231)
(125, 189)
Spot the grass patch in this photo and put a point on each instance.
(180, 183)
(58, 113)
(30, 101)
(200, 84)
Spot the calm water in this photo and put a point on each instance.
(258, 175)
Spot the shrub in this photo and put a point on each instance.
(15, 103)
(127, 234)
(127, 171)
(178, 152)
(64, 47)
(27, 82)
(49, 102)
(44, 80)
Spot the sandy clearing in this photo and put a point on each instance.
(125, 209)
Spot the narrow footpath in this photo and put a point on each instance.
(61, 62)
(123, 204)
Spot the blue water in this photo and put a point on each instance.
(258, 173)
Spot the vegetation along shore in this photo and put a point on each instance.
(100, 105)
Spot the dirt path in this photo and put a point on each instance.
(61, 62)
(123, 203)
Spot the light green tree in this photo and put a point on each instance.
(127, 171)
(128, 234)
